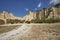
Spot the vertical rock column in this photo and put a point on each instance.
(4, 16)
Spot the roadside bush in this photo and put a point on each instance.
(39, 21)
(27, 22)
(2, 22)
(22, 21)
(47, 21)
(12, 21)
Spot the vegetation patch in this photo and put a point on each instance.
(46, 21)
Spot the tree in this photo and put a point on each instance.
(57, 5)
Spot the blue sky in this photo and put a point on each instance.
(21, 7)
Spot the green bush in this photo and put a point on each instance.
(2, 22)
(27, 22)
(39, 21)
(47, 21)
(12, 21)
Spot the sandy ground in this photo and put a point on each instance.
(33, 32)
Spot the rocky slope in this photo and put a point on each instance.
(45, 13)
(6, 15)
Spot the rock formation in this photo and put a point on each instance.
(30, 16)
(45, 13)
(6, 15)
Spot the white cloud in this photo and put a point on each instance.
(26, 9)
(39, 5)
(35, 8)
(54, 2)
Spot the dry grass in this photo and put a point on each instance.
(43, 32)
(37, 32)
(4, 29)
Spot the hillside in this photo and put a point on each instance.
(6, 15)
(6, 18)
(46, 13)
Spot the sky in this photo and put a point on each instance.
(22, 7)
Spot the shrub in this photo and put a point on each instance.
(2, 22)
(47, 21)
(27, 22)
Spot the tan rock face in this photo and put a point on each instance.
(40, 14)
(55, 13)
(6, 15)
(30, 16)
(48, 13)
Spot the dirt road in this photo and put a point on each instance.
(13, 35)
